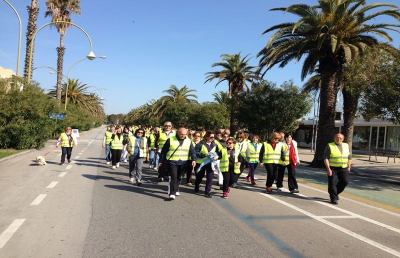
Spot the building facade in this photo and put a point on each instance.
(368, 135)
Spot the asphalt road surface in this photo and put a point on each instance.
(86, 209)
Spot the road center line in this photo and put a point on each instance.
(338, 217)
(9, 232)
(68, 167)
(52, 185)
(337, 227)
(38, 199)
(62, 174)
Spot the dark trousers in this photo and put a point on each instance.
(228, 180)
(66, 151)
(280, 176)
(243, 166)
(337, 182)
(292, 181)
(189, 172)
(175, 174)
(252, 170)
(162, 170)
(115, 156)
(208, 171)
(272, 171)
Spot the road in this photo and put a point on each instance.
(86, 209)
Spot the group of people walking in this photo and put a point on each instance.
(180, 153)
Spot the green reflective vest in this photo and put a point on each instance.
(152, 141)
(142, 148)
(178, 151)
(272, 156)
(116, 143)
(336, 158)
(108, 135)
(285, 150)
(204, 153)
(224, 162)
(66, 141)
(253, 152)
(163, 138)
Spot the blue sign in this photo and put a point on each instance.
(57, 116)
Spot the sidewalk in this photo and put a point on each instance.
(379, 170)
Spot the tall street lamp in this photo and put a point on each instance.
(19, 34)
(90, 55)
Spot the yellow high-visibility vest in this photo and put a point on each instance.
(66, 141)
(271, 155)
(339, 159)
(178, 151)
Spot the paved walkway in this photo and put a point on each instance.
(379, 170)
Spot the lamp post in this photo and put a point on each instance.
(90, 55)
(19, 34)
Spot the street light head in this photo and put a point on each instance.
(91, 55)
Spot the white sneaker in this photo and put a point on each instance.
(108, 162)
(114, 167)
(118, 165)
(131, 180)
(150, 166)
(125, 161)
(156, 169)
(172, 197)
(178, 193)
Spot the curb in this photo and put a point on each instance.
(16, 155)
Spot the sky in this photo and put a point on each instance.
(150, 45)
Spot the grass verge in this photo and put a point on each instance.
(7, 152)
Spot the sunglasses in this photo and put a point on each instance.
(229, 143)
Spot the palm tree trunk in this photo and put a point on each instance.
(233, 122)
(33, 11)
(60, 62)
(327, 110)
(350, 105)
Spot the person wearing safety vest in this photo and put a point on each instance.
(197, 143)
(117, 145)
(215, 164)
(67, 142)
(290, 162)
(107, 143)
(271, 154)
(162, 139)
(177, 153)
(230, 160)
(252, 156)
(282, 163)
(126, 133)
(137, 148)
(337, 159)
(202, 150)
(151, 140)
(241, 144)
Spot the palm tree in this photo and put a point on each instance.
(327, 35)
(33, 11)
(182, 95)
(78, 94)
(221, 98)
(237, 72)
(60, 11)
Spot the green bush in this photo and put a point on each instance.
(24, 117)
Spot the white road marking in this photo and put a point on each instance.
(77, 157)
(9, 232)
(353, 214)
(361, 217)
(354, 201)
(62, 174)
(38, 199)
(68, 167)
(52, 185)
(337, 217)
(337, 227)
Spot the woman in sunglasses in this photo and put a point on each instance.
(137, 149)
(230, 160)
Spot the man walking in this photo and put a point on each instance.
(176, 155)
(337, 159)
(162, 139)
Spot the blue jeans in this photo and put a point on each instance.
(154, 158)
(108, 153)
